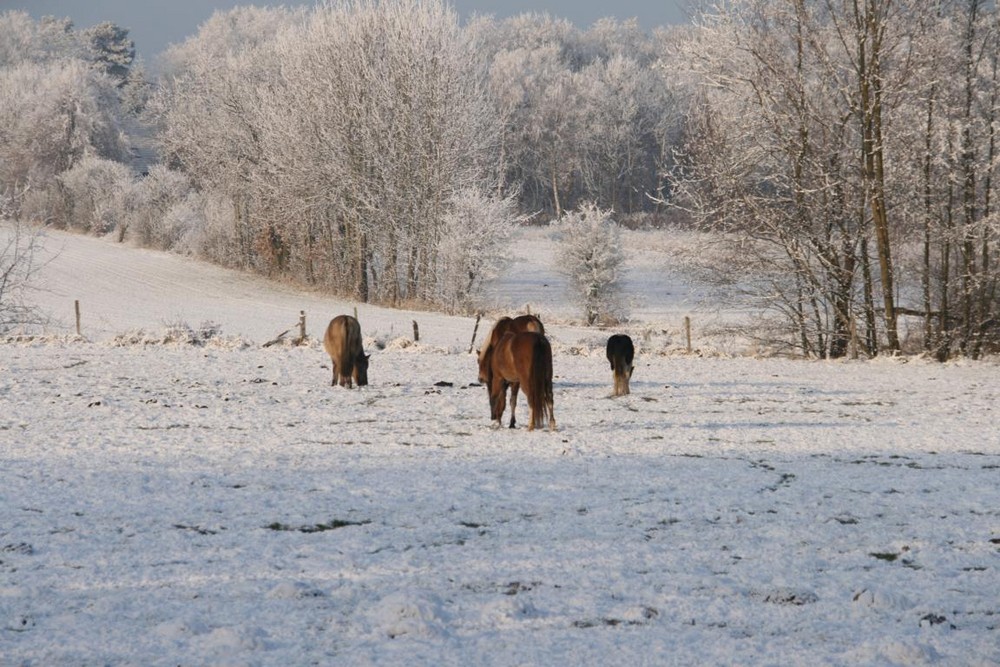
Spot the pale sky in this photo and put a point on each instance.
(153, 24)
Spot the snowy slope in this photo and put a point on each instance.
(122, 288)
(222, 504)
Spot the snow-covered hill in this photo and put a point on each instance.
(121, 288)
(220, 503)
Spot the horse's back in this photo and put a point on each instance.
(621, 353)
(620, 347)
(336, 335)
(342, 341)
(514, 325)
(517, 353)
(502, 327)
(528, 323)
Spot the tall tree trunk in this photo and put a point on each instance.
(871, 31)
(988, 287)
(925, 275)
(944, 317)
(362, 271)
(555, 190)
(968, 170)
(871, 328)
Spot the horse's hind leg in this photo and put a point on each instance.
(333, 365)
(498, 401)
(513, 401)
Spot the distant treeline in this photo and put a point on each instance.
(844, 154)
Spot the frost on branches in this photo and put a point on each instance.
(474, 247)
(19, 265)
(591, 256)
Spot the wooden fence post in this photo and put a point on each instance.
(416, 332)
(475, 330)
(76, 307)
(687, 332)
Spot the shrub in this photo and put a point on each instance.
(591, 257)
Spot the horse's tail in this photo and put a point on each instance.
(353, 346)
(620, 370)
(540, 399)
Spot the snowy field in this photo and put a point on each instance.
(220, 503)
(122, 289)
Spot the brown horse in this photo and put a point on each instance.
(621, 352)
(516, 360)
(347, 356)
(507, 325)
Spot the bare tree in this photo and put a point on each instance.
(19, 266)
(800, 145)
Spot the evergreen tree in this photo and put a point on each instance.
(111, 50)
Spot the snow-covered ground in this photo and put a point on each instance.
(165, 504)
(121, 288)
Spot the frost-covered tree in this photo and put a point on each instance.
(149, 201)
(474, 247)
(772, 162)
(848, 153)
(617, 156)
(23, 39)
(533, 91)
(111, 50)
(225, 33)
(95, 192)
(51, 115)
(19, 266)
(341, 141)
(591, 257)
(56, 109)
(581, 110)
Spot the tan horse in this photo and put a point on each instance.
(621, 353)
(521, 360)
(505, 325)
(347, 355)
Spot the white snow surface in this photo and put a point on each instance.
(220, 503)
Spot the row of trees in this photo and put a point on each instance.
(587, 115)
(844, 151)
(355, 144)
(380, 150)
(65, 95)
(358, 143)
(847, 151)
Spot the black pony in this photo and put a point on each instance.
(620, 354)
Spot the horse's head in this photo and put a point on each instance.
(484, 365)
